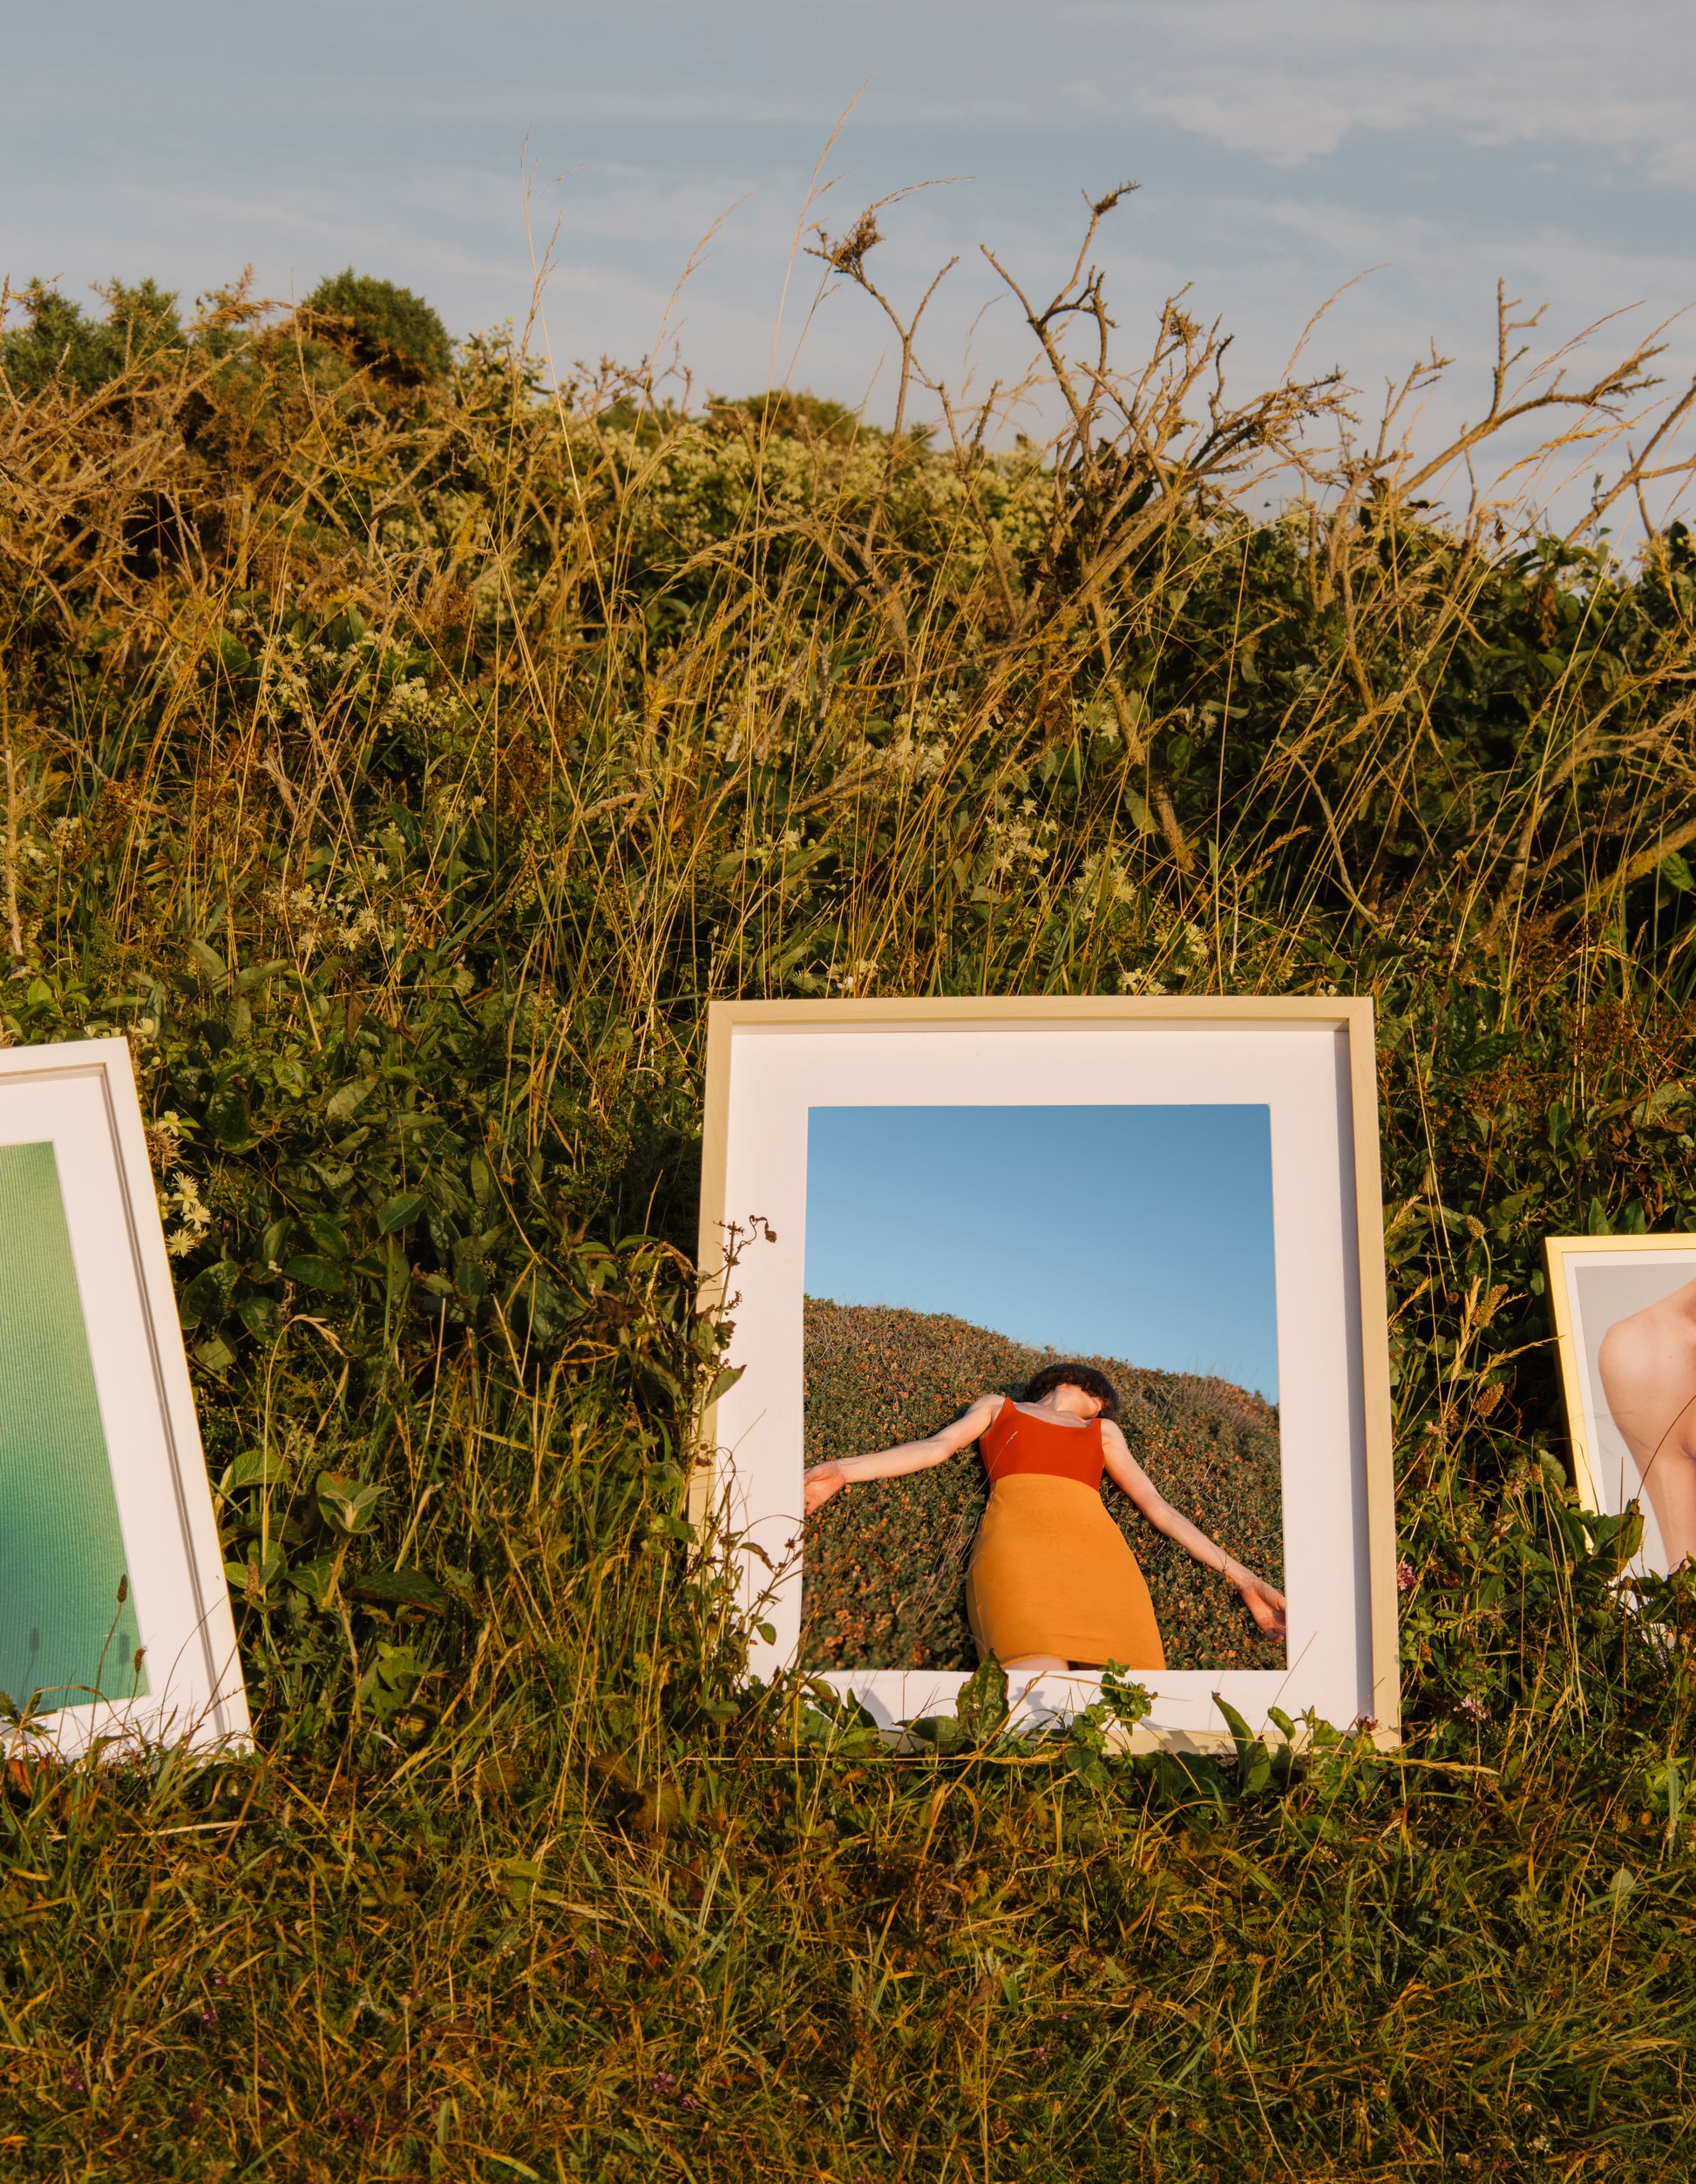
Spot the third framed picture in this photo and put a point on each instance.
(1625, 1320)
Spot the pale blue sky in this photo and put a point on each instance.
(1425, 145)
(1144, 1234)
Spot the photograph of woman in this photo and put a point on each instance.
(1646, 1362)
(1052, 1584)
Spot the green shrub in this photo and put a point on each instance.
(374, 323)
(59, 343)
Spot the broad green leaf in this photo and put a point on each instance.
(227, 1119)
(253, 1467)
(347, 1504)
(340, 1107)
(313, 1273)
(258, 974)
(400, 1588)
(317, 1579)
(258, 1314)
(274, 1241)
(209, 1295)
(723, 1382)
(207, 961)
(327, 1234)
(400, 1213)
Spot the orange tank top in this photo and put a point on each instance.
(1013, 1441)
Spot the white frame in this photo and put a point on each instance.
(1344, 1649)
(1596, 1469)
(80, 1096)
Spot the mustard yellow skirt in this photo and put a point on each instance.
(1050, 1573)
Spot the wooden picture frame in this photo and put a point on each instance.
(1593, 1282)
(116, 1629)
(1112, 1041)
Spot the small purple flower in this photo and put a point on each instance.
(1406, 1575)
(689, 2100)
(209, 2017)
(220, 1979)
(1365, 1724)
(1474, 1707)
(663, 2082)
(73, 2080)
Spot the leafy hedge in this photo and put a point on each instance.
(885, 1562)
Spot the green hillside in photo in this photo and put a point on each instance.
(884, 1562)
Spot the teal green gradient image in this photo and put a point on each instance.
(64, 1634)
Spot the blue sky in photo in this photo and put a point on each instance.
(1399, 155)
(1144, 1234)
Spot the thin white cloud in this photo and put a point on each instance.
(1301, 79)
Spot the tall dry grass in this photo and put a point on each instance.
(403, 761)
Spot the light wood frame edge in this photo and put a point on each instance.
(1557, 1250)
(1352, 1015)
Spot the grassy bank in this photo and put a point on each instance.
(885, 1568)
(403, 754)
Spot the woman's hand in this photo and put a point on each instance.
(1264, 1602)
(819, 1482)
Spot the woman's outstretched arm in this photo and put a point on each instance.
(1264, 1602)
(821, 1481)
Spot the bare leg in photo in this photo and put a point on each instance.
(1648, 1368)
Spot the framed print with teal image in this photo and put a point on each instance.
(115, 1624)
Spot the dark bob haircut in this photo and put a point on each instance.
(1083, 1376)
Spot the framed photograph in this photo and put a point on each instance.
(115, 1619)
(1066, 1319)
(1625, 1323)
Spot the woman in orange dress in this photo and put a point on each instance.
(1052, 1583)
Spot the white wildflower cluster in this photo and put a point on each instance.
(853, 978)
(182, 1201)
(1019, 840)
(1170, 944)
(705, 480)
(186, 1216)
(918, 758)
(288, 667)
(923, 738)
(412, 708)
(452, 807)
(539, 1013)
(366, 907)
(1103, 883)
